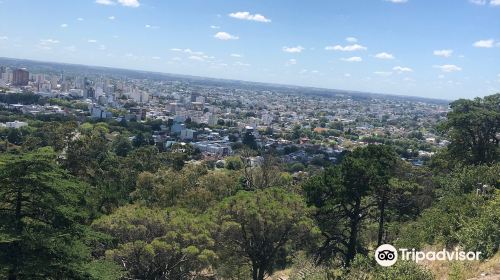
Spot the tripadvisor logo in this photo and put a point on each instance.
(387, 255)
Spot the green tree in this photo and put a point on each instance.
(249, 140)
(156, 244)
(233, 163)
(258, 225)
(473, 127)
(41, 226)
(122, 146)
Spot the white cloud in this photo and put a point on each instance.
(239, 63)
(382, 73)
(105, 2)
(384, 55)
(197, 58)
(79, 19)
(401, 69)
(46, 44)
(351, 39)
(225, 36)
(484, 43)
(478, 2)
(92, 41)
(155, 58)
(126, 3)
(4, 38)
(151, 26)
(111, 17)
(48, 41)
(353, 59)
(64, 25)
(443, 53)
(249, 16)
(348, 48)
(129, 3)
(236, 55)
(188, 51)
(214, 26)
(448, 68)
(397, 1)
(495, 2)
(347, 75)
(291, 61)
(297, 49)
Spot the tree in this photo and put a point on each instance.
(473, 127)
(122, 146)
(249, 140)
(156, 244)
(345, 195)
(257, 225)
(14, 136)
(383, 161)
(41, 226)
(139, 140)
(233, 163)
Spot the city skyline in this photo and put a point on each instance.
(417, 48)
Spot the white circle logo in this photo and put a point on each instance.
(386, 255)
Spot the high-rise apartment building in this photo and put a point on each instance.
(20, 77)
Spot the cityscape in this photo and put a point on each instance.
(215, 116)
(250, 140)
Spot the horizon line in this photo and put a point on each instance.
(231, 80)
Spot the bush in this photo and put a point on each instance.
(482, 233)
(404, 270)
(234, 163)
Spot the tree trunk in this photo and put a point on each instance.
(353, 236)
(14, 271)
(381, 221)
(255, 271)
(262, 272)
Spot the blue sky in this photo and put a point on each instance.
(432, 48)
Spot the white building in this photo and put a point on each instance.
(15, 124)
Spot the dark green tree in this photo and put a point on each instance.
(249, 140)
(41, 225)
(257, 225)
(473, 127)
(345, 196)
(122, 146)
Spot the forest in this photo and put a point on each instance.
(80, 200)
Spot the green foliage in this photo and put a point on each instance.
(154, 244)
(404, 270)
(41, 231)
(233, 163)
(105, 270)
(256, 225)
(249, 141)
(365, 267)
(345, 194)
(122, 146)
(482, 232)
(472, 126)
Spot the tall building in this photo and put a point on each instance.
(20, 77)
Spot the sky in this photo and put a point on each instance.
(431, 48)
